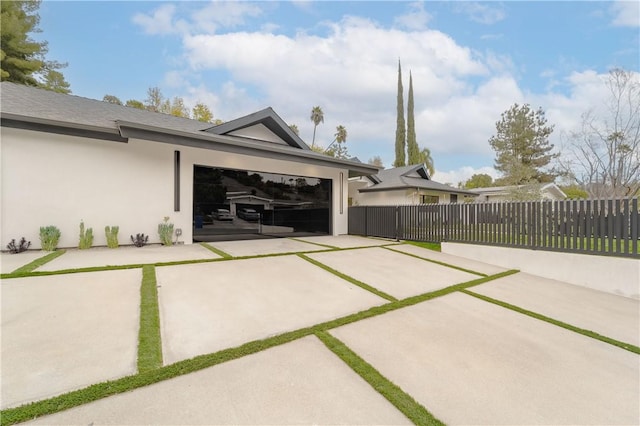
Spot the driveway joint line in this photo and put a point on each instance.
(216, 250)
(623, 345)
(31, 266)
(437, 262)
(149, 338)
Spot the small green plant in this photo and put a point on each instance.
(111, 233)
(140, 240)
(23, 245)
(165, 230)
(49, 237)
(86, 237)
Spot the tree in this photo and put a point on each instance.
(133, 103)
(155, 99)
(177, 108)
(425, 158)
(522, 146)
(340, 139)
(110, 99)
(317, 116)
(574, 192)
(400, 129)
(413, 150)
(201, 112)
(22, 60)
(603, 156)
(376, 161)
(479, 180)
(294, 129)
(54, 81)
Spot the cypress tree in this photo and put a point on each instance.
(400, 130)
(412, 144)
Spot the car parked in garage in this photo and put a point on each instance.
(222, 214)
(250, 215)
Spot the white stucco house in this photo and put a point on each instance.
(66, 158)
(409, 185)
(547, 192)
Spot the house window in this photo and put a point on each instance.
(428, 199)
(453, 198)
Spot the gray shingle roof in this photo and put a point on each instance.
(415, 176)
(33, 102)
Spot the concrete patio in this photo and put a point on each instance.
(466, 360)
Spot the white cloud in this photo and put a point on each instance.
(160, 21)
(480, 12)
(416, 19)
(453, 177)
(625, 13)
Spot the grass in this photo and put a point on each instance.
(394, 394)
(627, 346)
(149, 340)
(128, 383)
(314, 243)
(430, 246)
(348, 278)
(217, 251)
(31, 266)
(469, 271)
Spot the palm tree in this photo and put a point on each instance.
(317, 116)
(425, 158)
(340, 137)
(341, 134)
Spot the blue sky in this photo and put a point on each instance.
(469, 60)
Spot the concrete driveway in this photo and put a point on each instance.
(466, 360)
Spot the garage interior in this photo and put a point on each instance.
(233, 204)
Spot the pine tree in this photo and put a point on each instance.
(400, 129)
(522, 146)
(413, 150)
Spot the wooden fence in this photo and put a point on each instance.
(606, 227)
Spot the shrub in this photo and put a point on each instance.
(49, 237)
(86, 237)
(139, 240)
(112, 236)
(23, 245)
(165, 230)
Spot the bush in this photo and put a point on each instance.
(112, 236)
(86, 237)
(49, 237)
(23, 245)
(139, 240)
(165, 230)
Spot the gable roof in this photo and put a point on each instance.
(409, 177)
(266, 117)
(41, 110)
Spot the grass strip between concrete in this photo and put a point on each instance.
(349, 279)
(149, 340)
(437, 262)
(424, 244)
(314, 243)
(29, 267)
(217, 251)
(393, 393)
(98, 391)
(627, 346)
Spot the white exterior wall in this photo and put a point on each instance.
(50, 179)
(615, 275)
(397, 197)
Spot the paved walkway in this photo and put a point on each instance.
(466, 360)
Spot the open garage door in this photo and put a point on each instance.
(240, 204)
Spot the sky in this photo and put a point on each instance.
(470, 61)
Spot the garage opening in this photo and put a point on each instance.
(233, 204)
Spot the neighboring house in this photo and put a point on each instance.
(547, 191)
(402, 186)
(67, 158)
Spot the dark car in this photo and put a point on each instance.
(250, 215)
(222, 214)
